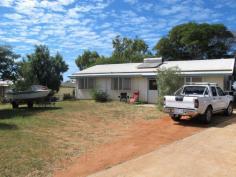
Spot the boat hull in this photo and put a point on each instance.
(28, 95)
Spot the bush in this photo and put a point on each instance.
(100, 96)
(67, 96)
(168, 81)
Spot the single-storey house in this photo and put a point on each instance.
(130, 77)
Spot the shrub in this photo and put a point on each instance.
(100, 96)
(168, 81)
(67, 96)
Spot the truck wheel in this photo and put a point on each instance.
(14, 105)
(175, 117)
(229, 110)
(208, 115)
(30, 104)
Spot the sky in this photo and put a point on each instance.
(72, 26)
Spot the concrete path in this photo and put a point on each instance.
(210, 153)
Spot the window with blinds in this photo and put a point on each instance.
(86, 83)
(120, 83)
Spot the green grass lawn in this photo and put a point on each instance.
(34, 142)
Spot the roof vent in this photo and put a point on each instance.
(150, 63)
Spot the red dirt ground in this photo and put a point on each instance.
(143, 137)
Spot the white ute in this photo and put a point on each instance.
(203, 99)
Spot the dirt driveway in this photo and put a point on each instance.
(209, 153)
(142, 138)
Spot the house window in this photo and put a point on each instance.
(114, 83)
(120, 83)
(126, 83)
(81, 84)
(153, 84)
(91, 83)
(86, 83)
(188, 80)
(196, 79)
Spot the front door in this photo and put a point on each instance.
(152, 91)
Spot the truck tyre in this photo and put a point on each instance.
(175, 117)
(229, 110)
(30, 104)
(207, 115)
(14, 105)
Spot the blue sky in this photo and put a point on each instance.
(71, 26)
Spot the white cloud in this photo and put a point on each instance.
(13, 16)
(66, 2)
(131, 1)
(6, 3)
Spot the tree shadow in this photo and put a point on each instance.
(218, 120)
(24, 112)
(6, 126)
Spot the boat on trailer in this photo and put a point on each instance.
(34, 93)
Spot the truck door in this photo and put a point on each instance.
(222, 97)
(215, 99)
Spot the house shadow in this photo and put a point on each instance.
(23, 112)
(218, 120)
(7, 126)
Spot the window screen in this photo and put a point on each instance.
(114, 83)
(126, 84)
(91, 83)
(81, 83)
(192, 79)
(196, 79)
(120, 83)
(86, 83)
(153, 84)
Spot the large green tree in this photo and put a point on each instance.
(87, 59)
(42, 68)
(125, 50)
(195, 41)
(129, 50)
(8, 65)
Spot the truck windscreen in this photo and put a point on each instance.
(194, 90)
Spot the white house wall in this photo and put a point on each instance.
(214, 79)
(137, 84)
(104, 84)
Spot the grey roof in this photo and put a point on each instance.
(190, 67)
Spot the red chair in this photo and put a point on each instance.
(135, 97)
